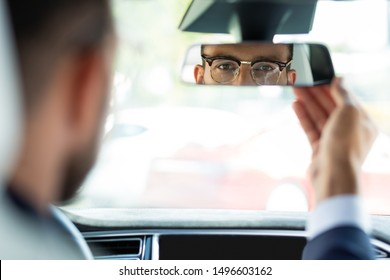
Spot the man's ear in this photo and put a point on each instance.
(90, 81)
(291, 77)
(199, 74)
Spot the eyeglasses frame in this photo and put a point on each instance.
(210, 60)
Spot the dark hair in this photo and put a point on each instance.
(46, 30)
(290, 48)
(202, 53)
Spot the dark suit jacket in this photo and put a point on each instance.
(341, 243)
(27, 234)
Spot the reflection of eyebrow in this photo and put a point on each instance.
(268, 58)
(222, 56)
(257, 58)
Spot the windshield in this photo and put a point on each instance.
(172, 145)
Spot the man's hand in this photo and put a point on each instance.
(340, 133)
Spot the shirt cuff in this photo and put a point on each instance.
(342, 210)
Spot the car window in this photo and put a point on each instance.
(173, 145)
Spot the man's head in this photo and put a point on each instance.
(246, 64)
(65, 50)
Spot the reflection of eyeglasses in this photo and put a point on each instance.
(225, 70)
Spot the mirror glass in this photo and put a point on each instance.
(254, 64)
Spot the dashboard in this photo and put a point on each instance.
(196, 244)
(186, 234)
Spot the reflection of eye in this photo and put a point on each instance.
(226, 66)
(264, 67)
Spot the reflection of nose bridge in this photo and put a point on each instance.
(245, 63)
(245, 77)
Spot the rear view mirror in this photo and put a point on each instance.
(258, 64)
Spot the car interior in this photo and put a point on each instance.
(199, 172)
(169, 224)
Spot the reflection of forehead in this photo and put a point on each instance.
(249, 52)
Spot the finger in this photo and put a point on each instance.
(300, 90)
(343, 97)
(324, 97)
(321, 94)
(309, 127)
(315, 110)
(339, 93)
